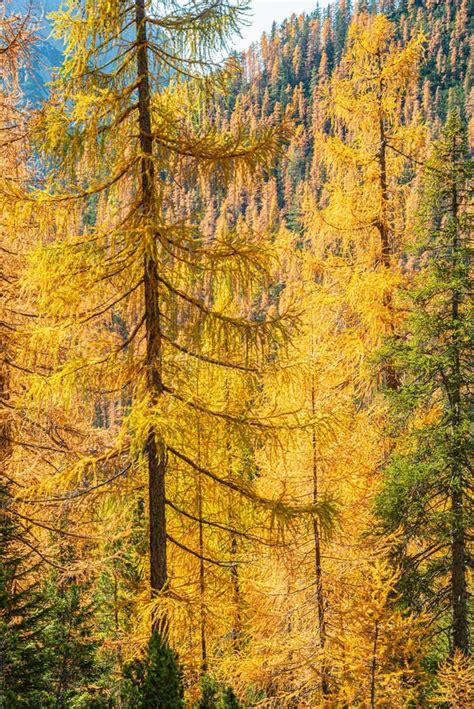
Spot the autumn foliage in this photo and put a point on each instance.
(236, 342)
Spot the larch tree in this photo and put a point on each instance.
(130, 296)
(379, 662)
(455, 685)
(343, 271)
(355, 228)
(23, 606)
(222, 363)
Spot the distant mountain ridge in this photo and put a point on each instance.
(305, 49)
(46, 52)
(284, 71)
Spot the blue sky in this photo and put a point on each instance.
(261, 15)
(265, 11)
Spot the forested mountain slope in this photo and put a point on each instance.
(44, 54)
(236, 357)
(286, 71)
(305, 49)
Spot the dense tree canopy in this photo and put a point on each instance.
(235, 369)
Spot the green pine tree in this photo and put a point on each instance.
(428, 481)
(73, 667)
(154, 682)
(23, 612)
(215, 695)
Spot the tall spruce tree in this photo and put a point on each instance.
(23, 613)
(427, 492)
(72, 664)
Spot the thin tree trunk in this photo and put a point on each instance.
(382, 223)
(234, 574)
(317, 551)
(5, 427)
(391, 377)
(66, 620)
(202, 589)
(202, 571)
(155, 449)
(458, 535)
(373, 666)
(117, 618)
(234, 548)
(458, 574)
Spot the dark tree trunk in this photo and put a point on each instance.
(155, 448)
(386, 246)
(382, 223)
(234, 574)
(373, 667)
(458, 575)
(202, 570)
(458, 536)
(317, 554)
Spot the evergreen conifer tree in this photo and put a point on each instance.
(215, 695)
(428, 484)
(23, 611)
(71, 643)
(154, 682)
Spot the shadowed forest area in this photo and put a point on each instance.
(236, 356)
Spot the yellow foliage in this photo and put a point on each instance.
(456, 682)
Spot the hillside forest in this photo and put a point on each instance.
(236, 356)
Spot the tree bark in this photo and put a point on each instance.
(317, 552)
(458, 535)
(391, 377)
(382, 224)
(234, 574)
(155, 449)
(373, 667)
(202, 570)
